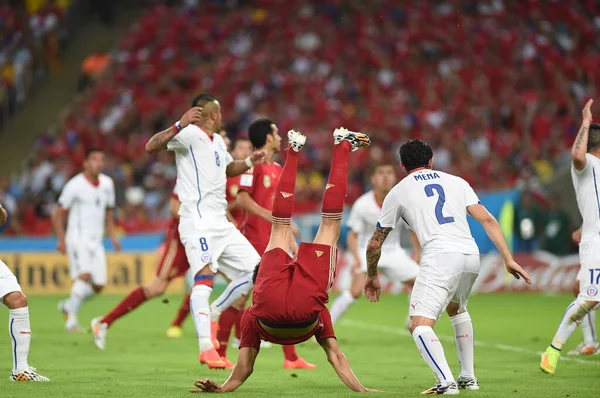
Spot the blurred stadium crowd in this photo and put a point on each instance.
(494, 85)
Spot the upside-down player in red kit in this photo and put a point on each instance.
(290, 295)
(255, 197)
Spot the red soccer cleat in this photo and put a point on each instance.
(228, 363)
(214, 328)
(298, 364)
(212, 359)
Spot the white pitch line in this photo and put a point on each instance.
(503, 347)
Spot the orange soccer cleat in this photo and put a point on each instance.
(212, 359)
(298, 364)
(214, 328)
(228, 363)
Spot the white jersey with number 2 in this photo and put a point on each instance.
(434, 205)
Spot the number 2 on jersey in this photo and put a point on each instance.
(439, 206)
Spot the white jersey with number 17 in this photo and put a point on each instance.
(587, 187)
(434, 204)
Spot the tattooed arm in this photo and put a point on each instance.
(374, 249)
(580, 145)
(159, 141)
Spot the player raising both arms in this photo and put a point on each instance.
(585, 173)
(394, 262)
(288, 303)
(257, 190)
(19, 330)
(435, 205)
(89, 199)
(212, 243)
(173, 264)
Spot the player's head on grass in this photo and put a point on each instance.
(242, 148)
(593, 146)
(415, 154)
(93, 163)
(264, 134)
(212, 119)
(383, 177)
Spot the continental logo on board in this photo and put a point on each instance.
(48, 273)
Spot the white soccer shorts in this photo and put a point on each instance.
(443, 278)
(589, 275)
(395, 264)
(8, 282)
(219, 245)
(87, 257)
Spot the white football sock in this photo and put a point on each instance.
(588, 328)
(20, 337)
(201, 313)
(80, 291)
(232, 293)
(432, 352)
(341, 305)
(574, 314)
(465, 343)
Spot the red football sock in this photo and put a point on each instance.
(283, 206)
(129, 303)
(337, 185)
(238, 324)
(226, 322)
(289, 351)
(182, 313)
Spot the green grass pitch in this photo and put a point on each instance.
(511, 331)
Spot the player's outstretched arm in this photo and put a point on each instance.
(249, 205)
(340, 364)
(59, 216)
(3, 215)
(240, 373)
(238, 167)
(159, 141)
(493, 230)
(580, 145)
(372, 285)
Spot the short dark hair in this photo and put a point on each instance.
(91, 150)
(202, 99)
(255, 273)
(258, 131)
(415, 154)
(593, 137)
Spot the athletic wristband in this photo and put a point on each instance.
(249, 162)
(177, 126)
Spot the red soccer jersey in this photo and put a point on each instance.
(261, 183)
(233, 185)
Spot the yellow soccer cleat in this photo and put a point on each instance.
(174, 332)
(550, 360)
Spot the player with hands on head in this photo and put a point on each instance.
(212, 243)
(435, 205)
(585, 173)
(288, 303)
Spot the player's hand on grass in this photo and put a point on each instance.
(372, 390)
(372, 288)
(587, 110)
(515, 270)
(206, 385)
(192, 116)
(61, 246)
(258, 157)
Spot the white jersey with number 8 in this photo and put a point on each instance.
(434, 204)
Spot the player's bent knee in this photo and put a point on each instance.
(155, 288)
(97, 288)
(416, 321)
(452, 309)
(15, 300)
(87, 278)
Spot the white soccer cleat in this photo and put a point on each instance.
(99, 330)
(30, 374)
(356, 139)
(467, 383)
(71, 324)
(585, 349)
(442, 389)
(296, 140)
